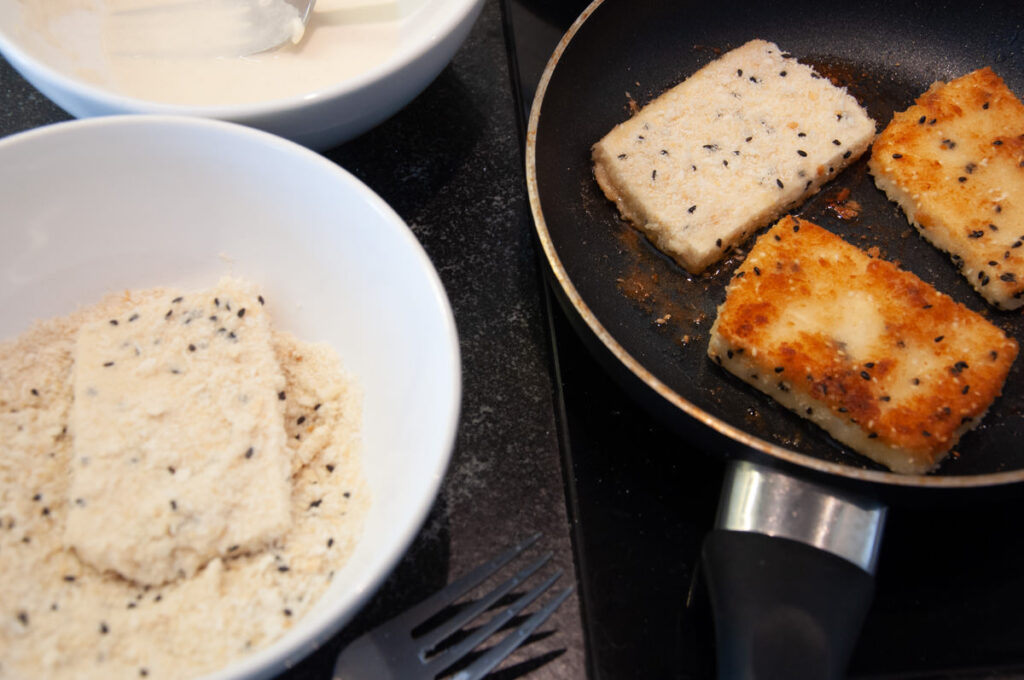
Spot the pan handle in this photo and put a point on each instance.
(790, 574)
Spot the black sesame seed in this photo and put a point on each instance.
(23, 617)
(897, 155)
(961, 179)
(168, 314)
(748, 139)
(780, 369)
(977, 233)
(938, 338)
(757, 271)
(801, 134)
(108, 364)
(316, 503)
(959, 366)
(865, 375)
(104, 628)
(664, 152)
(837, 142)
(133, 317)
(1008, 277)
(174, 505)
(718, 243)
(847, 154)
(985, 106)
(113, 322)
(779, 182)
(885, 397)
(801, 152)
(842, 409)
(287, 612)
(916, 381)
(330, 542)
(739, 72)
(622, 156)
(998, 142)
(691, 209)
(281, 396)
(966, 389)
(782, 73)
(654, 174)
(241, 312)
(873, 435)
(143, 672)
(249, 452)
(283, 568)
(926, 433)
(191, 348)
(933, 121)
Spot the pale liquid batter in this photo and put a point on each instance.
(87, 39)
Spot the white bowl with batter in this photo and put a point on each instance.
(99, 206)
(358, 63)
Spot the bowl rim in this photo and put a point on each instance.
(287, 650)
(406, 55)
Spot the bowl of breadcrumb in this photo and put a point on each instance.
(229, 390)
(355, 63)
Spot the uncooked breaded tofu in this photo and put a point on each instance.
(178, 435)
(746, 138)
(870, 353)
(954, 162)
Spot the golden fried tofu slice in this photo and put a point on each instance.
(870, 353)
(954, 162)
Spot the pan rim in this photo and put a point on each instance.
(656, 385)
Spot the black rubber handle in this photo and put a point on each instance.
(782, 609)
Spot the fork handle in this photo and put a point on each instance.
(782, 608)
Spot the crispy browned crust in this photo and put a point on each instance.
(909, 378)
(955, 163)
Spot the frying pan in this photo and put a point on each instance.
(647, 319)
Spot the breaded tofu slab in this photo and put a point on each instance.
(954, 162)
(746, 138)
(178, 435)
(870, 353)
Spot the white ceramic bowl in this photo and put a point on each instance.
(95, 206)
(376, 67)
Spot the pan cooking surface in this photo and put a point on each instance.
(886, 54)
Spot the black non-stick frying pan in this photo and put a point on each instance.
(645, 317)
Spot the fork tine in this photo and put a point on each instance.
(429, 640)
(444, 597)
(457, 651)
(496, 654)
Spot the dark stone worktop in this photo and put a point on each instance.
(450, 164)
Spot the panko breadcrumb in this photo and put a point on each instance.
(61, 618)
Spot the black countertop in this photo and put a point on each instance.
(547, 442)
(450, 164)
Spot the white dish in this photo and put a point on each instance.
(357, 65)
(96, 206)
